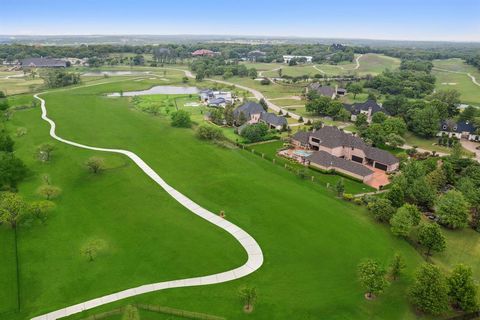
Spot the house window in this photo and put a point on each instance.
(357, 159)
(380, 166)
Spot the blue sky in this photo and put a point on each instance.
(455, 20)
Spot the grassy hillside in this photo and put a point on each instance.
(312, 242)
(458, 79)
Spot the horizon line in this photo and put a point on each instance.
(234, 35)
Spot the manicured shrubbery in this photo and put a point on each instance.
(208, 132)
(255, 132)
(181, 118)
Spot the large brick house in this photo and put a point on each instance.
(344, 152)
(461, 129)
(368, 108)
(252, 112)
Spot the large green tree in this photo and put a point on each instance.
(462, 288)
(450, 97)
(430, 236)
(12, 170)
(6, 142)
(12, 209)
(181, 118)
(255, 132)
(381, 209)
(372, 277)
(429, 290)
(404, 220)
(452, 209)
(425, 121)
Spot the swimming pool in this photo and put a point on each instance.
(302, 153)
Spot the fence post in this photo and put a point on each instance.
(253, 150)
(313, 178)
(263, 155)
(273, 160)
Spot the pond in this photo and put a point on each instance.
(114, 73)
(158, 90)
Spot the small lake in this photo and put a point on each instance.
(158, 90)
(114, 73)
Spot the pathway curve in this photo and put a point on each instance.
(474, 80)
(357, 66)
(254, 252)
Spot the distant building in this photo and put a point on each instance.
(462, 129)
(204, 53)
(288, 58)
(341, 92)
(76, 61)
(368, 108)
(42, 63)
(216, 98)
(325, 91)
(254, 113)
(255, 55)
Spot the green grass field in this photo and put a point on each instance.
(370, 63)
(428, 144)
(312, 241)
(270, 91)
(470, 93)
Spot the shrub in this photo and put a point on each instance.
(264, 82)
(348, 196)
(181, 118)
(206, 132)
(358, 201)
(255, 132)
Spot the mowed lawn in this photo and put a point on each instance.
(470, 92)
(149, 237)
(374, 64)
(312, 241)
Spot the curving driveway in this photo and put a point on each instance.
(254, 252)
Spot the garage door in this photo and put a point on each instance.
(380, 166)
(357, 159)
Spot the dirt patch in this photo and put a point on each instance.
(248, 309)
(369, 297)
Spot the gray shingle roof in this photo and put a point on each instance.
(43, 62)
(302, 137)
(273, 119)
(216, 101)
(459, 127)
(324, 91)
(364, 106)
(248, 109)
(325, 159)
(332, 137)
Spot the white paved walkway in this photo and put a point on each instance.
(255, 255)
(474, 80)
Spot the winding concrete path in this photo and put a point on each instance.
(254, 252)
(474, 80)
(357, 66)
